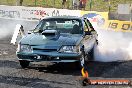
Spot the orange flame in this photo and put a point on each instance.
(84, 73)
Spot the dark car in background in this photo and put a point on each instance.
(58, 39)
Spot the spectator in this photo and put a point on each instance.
(75, 4)
(68, 3)
(21, 1)
(65, 3)
(82, 4)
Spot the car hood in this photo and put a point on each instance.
(62, 39)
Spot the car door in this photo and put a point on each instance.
(89, 37)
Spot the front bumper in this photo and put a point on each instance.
(49, 56)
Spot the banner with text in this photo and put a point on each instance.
(100, 21)
(116, 25)
(34, 13)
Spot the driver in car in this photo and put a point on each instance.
(51, 26)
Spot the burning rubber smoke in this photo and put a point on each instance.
(8, 25)
(6, 30)
(113, 46)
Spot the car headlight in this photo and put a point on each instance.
(69, 49)
(24, 48)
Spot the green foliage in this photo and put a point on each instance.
(97, 5)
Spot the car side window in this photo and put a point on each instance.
(86, 28)
(87, 25)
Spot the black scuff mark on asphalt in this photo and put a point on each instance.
(22, 81)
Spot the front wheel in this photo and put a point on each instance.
(90, 54)
(82, 60)
(24, 63)
(81, 63)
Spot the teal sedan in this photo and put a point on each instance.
(58, 39)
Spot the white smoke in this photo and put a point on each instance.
(113, 46)
(5, 33)
(8, 26)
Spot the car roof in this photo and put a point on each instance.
(63, 17)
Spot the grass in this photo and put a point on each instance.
(97, 5)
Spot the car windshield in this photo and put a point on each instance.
(73, 26)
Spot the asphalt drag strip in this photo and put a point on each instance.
(52, 75)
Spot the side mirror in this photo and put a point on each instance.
(40, 31)
(29, 32)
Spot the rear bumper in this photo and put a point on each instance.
(49, 56)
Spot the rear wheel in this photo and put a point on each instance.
(24, 63)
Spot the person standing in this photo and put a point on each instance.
(82, 4)
(75, 4)
(65, 4)
(19, 2)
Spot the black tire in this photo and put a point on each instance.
(24, 63)
(81, 63)
(90, 54)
